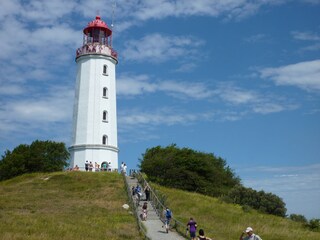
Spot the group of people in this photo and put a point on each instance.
(191, 225)
(192, 229)
(137, 192)
(90, 167)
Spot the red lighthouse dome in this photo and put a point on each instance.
(97, 39)
(97, 26)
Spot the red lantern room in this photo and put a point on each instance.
(97, 39)
(97, 31)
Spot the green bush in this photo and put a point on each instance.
(314, 225)
(298, 218)
(40, 156)
(194, 171)
(187, 169)
(259, 200)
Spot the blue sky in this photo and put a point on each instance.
(237, 78)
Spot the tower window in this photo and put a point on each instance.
(105, 70)
(105, 92)
(105, 116)
(105, 140)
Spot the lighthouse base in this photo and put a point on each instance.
(101, 155)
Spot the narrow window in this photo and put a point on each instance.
(105, 116)
(105, 92)
(105, 140)
(105, 70)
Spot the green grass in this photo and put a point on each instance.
(80, 205)
(65, 205)
(227, 221)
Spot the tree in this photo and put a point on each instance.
(298, 218)
(40, 156)
(264, 202)
(188, 169)
(314, 224)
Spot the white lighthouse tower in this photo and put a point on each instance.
(95, 114)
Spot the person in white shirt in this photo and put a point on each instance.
(250, 235)
(125, 169)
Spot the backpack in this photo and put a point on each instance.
(168, 213)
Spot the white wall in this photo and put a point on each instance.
(88, 124)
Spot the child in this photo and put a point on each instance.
(144, 211)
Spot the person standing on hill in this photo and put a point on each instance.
(147, 192)
(90, 166)
(250, 235)
(167, 218)
(125, 169)
(96, 167)
(86, 166)
(121, 167)
(192, 228)
(202, 236)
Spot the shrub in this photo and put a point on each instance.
(190, 170)
(314, 225)
(298, 218)
(40, 156)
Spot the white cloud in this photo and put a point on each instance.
(251, 101)
(305, 75)
(128, 85)
(8, 8)
(163, 116)
(45, 12)
(236, 95)
(255, 38)
(10, 90)
(186, 67)
(158, 48)
(51, 107)
(242, 101)
(312, 47)
(155, 9)
(305, 36)
(308, 37)
(311, 1)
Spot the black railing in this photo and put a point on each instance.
(158, 202)
(135, 208)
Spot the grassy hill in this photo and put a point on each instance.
(65, 205)
(227, 221)
(80, 205)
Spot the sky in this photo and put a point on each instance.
(236, 78)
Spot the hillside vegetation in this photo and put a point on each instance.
(81, 205)
(194, 171)
(223, 221)
(65, 205)
(39, 156)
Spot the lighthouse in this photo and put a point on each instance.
(94, 135)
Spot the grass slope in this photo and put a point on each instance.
(65, 205)
(227, 221)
